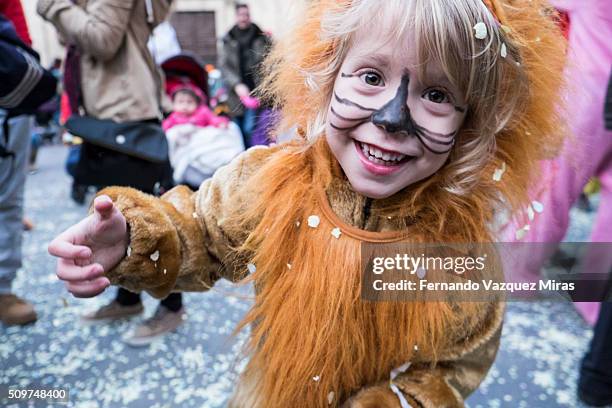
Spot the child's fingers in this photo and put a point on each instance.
(68, 271)
(88, 288)
(63, 247)
(103, 205)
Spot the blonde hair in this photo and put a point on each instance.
(506, 121)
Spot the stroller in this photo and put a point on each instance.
(209, 147)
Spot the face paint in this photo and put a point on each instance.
(394, 117)
(387, 127)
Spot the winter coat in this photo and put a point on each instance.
(202, 117)
(191, 236)
(230, 64)
(120, 80)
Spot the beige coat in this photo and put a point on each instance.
(179, 243)
(119, 78)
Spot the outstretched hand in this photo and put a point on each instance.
(91, 247)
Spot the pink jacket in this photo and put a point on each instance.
(203, 117)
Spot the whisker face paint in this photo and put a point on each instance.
(353, 104)
(395, 117)
(345, 118)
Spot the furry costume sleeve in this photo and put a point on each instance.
(180, 242)
(447, 384)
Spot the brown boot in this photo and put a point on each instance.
(16, 311)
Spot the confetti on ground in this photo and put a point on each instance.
(100, 371)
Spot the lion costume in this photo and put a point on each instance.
(314, 342)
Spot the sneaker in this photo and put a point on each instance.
(162, 322)
(16, 311)
(113, 311)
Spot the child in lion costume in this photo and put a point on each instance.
(416, 119)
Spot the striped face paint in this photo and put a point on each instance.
(395, 117)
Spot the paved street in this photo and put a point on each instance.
(196, 366)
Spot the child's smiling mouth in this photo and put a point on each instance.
(380, 161)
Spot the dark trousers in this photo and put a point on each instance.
(173, 301)
(596, 370)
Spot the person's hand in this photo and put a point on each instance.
(250, 102)
(91, 247)
(242, 90)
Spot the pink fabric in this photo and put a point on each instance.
(590, 153)
(203, 116)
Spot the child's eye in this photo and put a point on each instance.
(372, 78)
(436, 96)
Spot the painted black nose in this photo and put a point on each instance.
(394, 116)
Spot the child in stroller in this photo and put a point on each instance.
(199, 141)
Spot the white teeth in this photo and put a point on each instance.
(377, 156)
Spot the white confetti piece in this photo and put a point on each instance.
(251, 267)
(314, 221)
(194, 215)
(504, 51)
(530, 213)
(288, 266)
(330, 398)
(154, 256)
(480, 31)
(416, 347)
(389, 218)
(297, 224)
(165, 271)
(129, 251)
(316, 378)
(537, 206)
(520, 234)
(499, 173)
(336, 233)
(421, 272)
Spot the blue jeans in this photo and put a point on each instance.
(12, 180)
(246, 123)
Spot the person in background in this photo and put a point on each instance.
(595, 382)
(244, 48)
(189, 106)
(110, 73)
(13, 309)
(587, 154)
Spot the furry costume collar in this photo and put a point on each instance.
(311, 332)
